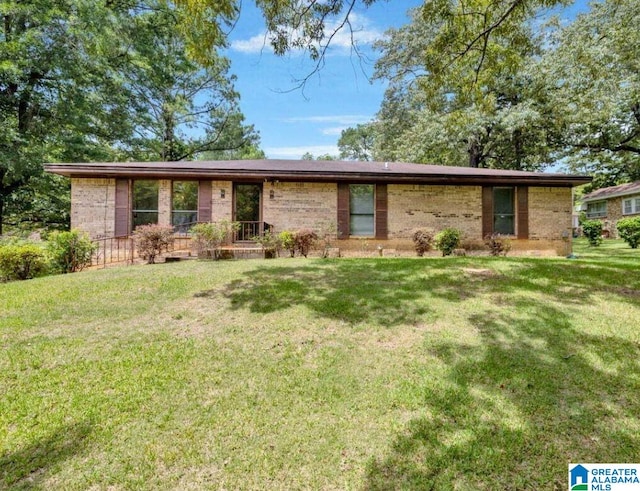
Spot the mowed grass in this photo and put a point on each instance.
(435, 373)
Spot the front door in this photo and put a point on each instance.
(247, 207)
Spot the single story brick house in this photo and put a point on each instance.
(611, 204)
(381, 202)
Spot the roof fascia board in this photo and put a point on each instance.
(90, 171)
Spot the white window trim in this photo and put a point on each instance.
(634, 202)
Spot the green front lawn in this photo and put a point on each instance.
(447, 373)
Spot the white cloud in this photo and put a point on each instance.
(254, 44)
(299, 151)
(334, 131)
(361, 33)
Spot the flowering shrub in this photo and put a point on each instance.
(151, 240)
(422, 241)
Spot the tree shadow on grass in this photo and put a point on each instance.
(389, 293)
(509, 412)
(27, 468)
(400, 291)
(512, 411)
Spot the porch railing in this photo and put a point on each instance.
(248, 230)
(112, 250)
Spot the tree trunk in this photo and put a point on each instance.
(475, 154)
(1, 212)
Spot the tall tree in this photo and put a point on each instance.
(357, 143)
(592, 73)
(53, 53)
(83, 81)
(462, 104)
(179, 108)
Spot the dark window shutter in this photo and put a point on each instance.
(122, 211)
(204, 201)
(487, 211)
(522, 195)
(381, 211)
(343, 210)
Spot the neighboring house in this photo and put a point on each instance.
(611, 204)
(370, 203)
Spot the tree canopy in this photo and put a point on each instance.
(95, 81)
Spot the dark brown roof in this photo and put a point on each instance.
(613, 191)
(313, 171)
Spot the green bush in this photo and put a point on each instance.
(592, 230)
(422, 241)
(70, 251)
(498, 244)
(447, 240)
(304, 240)
(21, 261)
(270, 243)
(629, 230)
(208, 238)
(288, 241)
(151, 240)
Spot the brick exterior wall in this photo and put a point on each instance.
(300, 205)
(549, 213)
(164, 202)
(221, 208)
(434, 207)
(614, 213)
(297, 205)
(93, 206)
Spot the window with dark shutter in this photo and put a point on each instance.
(122, 208)
(205, 193)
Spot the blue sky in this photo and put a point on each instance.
(294, 121)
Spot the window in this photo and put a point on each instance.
(631, 206)
(504, 211)
(361, 210)
(145, 202)
(597, 209)
(184, 199)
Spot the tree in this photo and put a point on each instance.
(462, 103)
(53, 55)
(310, 156)
(357, 143)
(592, 73)
(179, 107)
(84, 82)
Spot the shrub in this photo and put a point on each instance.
(270, 243)
(152, 239)
(422, 241)
(629, 230)
(288, 241)
(304, 240)
(447, 240)
(70, 251)
(498, 244)
(592, 230)
(21, 261)
(210, 237)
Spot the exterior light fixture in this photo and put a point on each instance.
(222, 193)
